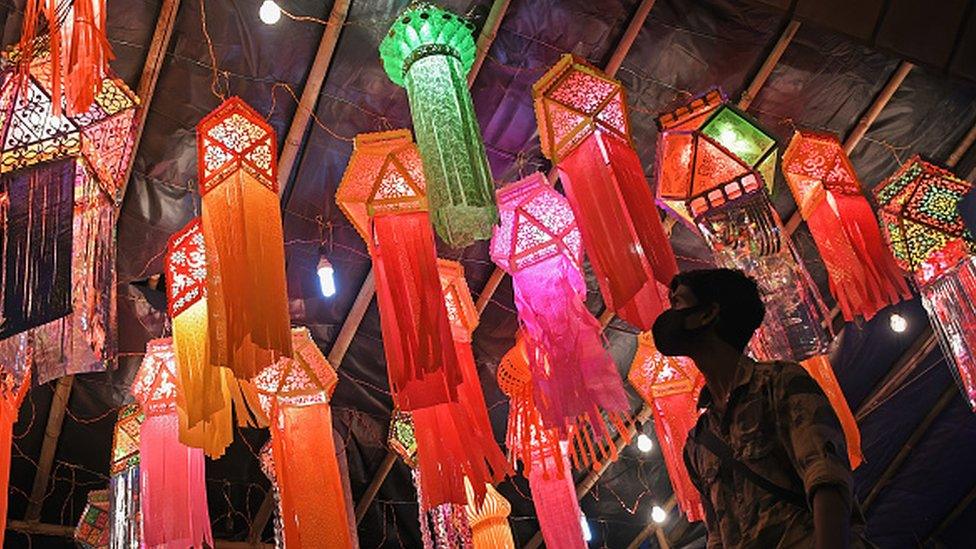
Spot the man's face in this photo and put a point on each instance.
(682, 298)
(678, 331)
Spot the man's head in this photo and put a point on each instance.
(709, 305)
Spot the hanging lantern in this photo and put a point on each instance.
(208, 393)
(429, 51)
(489, 520)
(862, 273)
(710, 153)
(237, 162)
(920, 217)
(173, 491)
(538, 243)
(92, 530)
(556, 505)
(50, 158)
(585, 130)
(15, 373)
(382, 193)
(670, 386)
(126, 529)
(295, 394)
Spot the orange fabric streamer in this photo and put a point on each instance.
(819, 369)
(237, 161)
(489, 520)
(15, 373)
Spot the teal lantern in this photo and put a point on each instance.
(429, 52)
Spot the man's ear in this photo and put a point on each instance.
(709, 314)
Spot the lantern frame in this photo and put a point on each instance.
(306, 378)
(235, 137)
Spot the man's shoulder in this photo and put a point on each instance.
(778, 372)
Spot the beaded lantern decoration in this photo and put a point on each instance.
(382, 193)
(489, 519)
(92, 531)
(715, 166)
(73, 165)
(126, 529)
(173, 491)
(920, 219)
(670, 386)
(241, 220)
(429, 51)
(16, 355)
(861, 271)
(295, 394)
(537, 242)
(208, 393)
(266, 460)
(584, 128)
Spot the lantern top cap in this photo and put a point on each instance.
(228, 108)
(568, 62)
(306, 378)
(424, 29)
(694, 112)
(461, 310)
(381, 141)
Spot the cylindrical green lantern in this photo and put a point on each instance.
(429, 52)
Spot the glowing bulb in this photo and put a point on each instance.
(658, 515)
(898, 323)
(587, 534)
(644, 443)
(270, 12)
(326, 277)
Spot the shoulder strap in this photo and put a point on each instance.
(721, 450)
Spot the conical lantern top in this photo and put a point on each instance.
(814, 163)
(424, 29)
(186, 268)
(654, 375)
(155, 386)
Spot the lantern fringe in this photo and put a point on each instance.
(674, 417)
(245, 259)
(950, 301)
(125, 531)
(421, 361)
(820, 369)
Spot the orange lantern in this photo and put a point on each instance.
(383, 195)
(237, 164)
(295, 394)
(489, 520)
(585, 130)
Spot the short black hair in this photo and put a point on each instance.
(741, 309)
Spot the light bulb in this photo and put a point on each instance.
(658, 515)
(644, 443)
(587, 534)
(326, 277)
(898, 323)
(270, 12)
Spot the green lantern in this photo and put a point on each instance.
(429, 52)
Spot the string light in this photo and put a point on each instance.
(326, 277)
(270, 12)
(658, 515)
(587, 534)
(898, 323)
(644, 443)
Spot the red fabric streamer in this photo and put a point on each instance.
(556, 505)
(15, 373)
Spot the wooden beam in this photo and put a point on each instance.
(956, 155)
(656, 529)
(374, 486)
(147, 82)
(353, 320)
(489, 290)
(963, 504)
(55, 419)
(951, 393)
(310, 94)
(261, 518)
(627, 38)
(766, 68)
(62, 531)
(900, 372)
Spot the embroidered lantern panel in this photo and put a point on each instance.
(429, 51)
(92, 531)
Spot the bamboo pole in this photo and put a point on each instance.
(766, 68)
(952, 516)
(627, 38)
(374, 486)
(487, 37)
(896, 377)
(55, 420)
(961, 148)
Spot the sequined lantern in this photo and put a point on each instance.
(92, 531)
(58, 200)
(383, 195)
(126, 529)
(920, 218)
(861, 271)
(208, 393)
(15, 373)
(538, 243)
(237, 164)
(266, 460)
(429, 51)
(585, 130)
(670, 386)
(295, 394)
(710, 153)
(173, 491)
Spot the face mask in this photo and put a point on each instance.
(671, 336)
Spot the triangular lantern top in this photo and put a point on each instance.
(235, 137)
(815, 163)
(305, 379)
(461, 310)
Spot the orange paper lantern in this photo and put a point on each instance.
(489, 519)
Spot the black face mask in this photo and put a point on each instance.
(671, 336)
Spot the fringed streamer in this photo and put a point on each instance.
(556, 506)
(421, 361)
(444, 526)
(15, 373)
(266, 459)
(950, 300)
(125, 530)
(173, 488)
(820, 369)
(489, 519)
(79, 47)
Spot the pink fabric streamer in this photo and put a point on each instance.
(556, 506)
(173, 486)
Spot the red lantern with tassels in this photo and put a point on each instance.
(585, 130)
(382, 193)
(237, 162)
(670, 386)
(538, 243)
(862, 273)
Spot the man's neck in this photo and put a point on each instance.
(719, 364)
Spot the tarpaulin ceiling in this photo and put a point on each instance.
(825, 80)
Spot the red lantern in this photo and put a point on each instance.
(862, 272)
(585, 131)
(237, 163)
(382, 193)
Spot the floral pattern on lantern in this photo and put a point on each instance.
(585, 130)
(429, 51)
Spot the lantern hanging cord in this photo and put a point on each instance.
(215, 78)
(315, 118)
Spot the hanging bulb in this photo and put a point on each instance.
(587, 534)
(658, 515)
(644, 443)
(326, 277)
(270, 12)
(898, 323)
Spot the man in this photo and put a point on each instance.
(768, 453)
